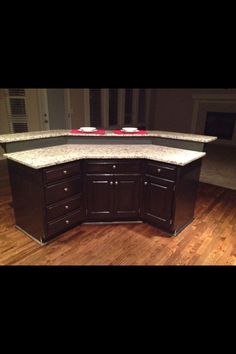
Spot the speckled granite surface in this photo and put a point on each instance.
(55, 155)
(7, 138)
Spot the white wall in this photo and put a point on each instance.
(77, 102)
(56, 108)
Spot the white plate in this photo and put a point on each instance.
(130, 129)
(87, 129)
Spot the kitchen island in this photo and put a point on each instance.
(57, 188)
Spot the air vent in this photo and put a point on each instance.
(17, 110)
(16, 92)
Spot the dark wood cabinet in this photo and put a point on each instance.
(169, 194)
(53, 174)
(49, 201)
(59, 209)
(62, 190)
(46, 202)
(58, 226)
(158, 197)
(113, 167)
(127, 197)
(113, 189)
(99, 197)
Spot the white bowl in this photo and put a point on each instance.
(129, 129)
(87, 129)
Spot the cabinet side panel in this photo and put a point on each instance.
(28, 199)
(186, 194)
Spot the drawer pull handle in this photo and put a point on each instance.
(116, 182)
(66, 189)
(159, 170)
(65, 172)
(114, 166)
(67, 221)
(111, 183)
(145, 183)
(66, 206)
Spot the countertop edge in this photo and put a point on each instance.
(152, 134)
(85, 158)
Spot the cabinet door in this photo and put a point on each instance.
(99, 197)
(157, 198)
(127, 196)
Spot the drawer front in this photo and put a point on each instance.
(63, 190)
(160, 170)
(113, 167)
(60, 209)
(57, 173)
(61, 225)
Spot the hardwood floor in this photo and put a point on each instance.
(209, 240)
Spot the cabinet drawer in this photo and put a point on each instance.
(113, 166)
(57, 173)
(160, 170)
(60, 209)
(63, 224)
(62, 190)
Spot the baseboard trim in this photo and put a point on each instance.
(30, 236)
(111, 222)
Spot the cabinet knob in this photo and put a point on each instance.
(67, 221)
(66, 189)
(111, 183)
(116, 182)
(66, 206)
(114, 166)
(65, 172)
(159, 170)
(145, 183)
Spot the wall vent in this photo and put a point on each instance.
(17, 114)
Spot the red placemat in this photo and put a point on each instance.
(141, 132)
(99, 131)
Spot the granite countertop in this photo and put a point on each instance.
(55, 155)
(8, 138)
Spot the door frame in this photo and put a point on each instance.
(68, 109)
(43, 109)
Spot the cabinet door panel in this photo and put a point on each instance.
(59, 226)
(99, 195)
(56, 173)
(127, 196)
(113, 166)
(158, 196)
(62, 190)
(161, 170)
(66, 206)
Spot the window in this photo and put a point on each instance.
(95, 107)
(142, 106)
(128, 105)
(113, 107)
(17, 110)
